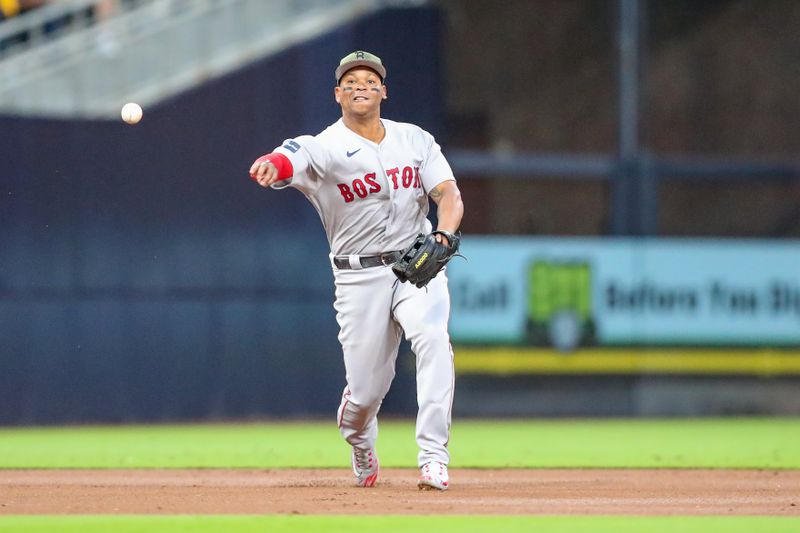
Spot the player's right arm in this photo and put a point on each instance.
(271, 168)
(297, 162)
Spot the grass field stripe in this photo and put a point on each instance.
(396, 524)
(505, 361)
(648, 443)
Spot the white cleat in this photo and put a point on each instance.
(365, 466)
(433, 475)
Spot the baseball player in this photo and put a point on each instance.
(370, 179)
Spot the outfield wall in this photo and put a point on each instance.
(601, 326)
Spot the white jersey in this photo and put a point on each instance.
(372, 198)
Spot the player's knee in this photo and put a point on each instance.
(366, 402)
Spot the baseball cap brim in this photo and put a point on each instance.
(377, 66)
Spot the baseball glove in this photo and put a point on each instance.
(425, 257)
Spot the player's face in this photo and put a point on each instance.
(360, 92)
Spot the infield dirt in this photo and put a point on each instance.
(474, 491)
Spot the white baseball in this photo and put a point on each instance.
(131, 113)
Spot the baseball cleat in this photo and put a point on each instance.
(433, 475)
(365, 466)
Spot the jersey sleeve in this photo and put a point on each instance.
(435, 168)
(308, 160)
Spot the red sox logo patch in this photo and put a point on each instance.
(408, 178)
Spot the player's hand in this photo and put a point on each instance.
(263, 172)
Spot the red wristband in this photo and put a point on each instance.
(281, 162)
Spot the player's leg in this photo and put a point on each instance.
(423, 315)
(370, 339)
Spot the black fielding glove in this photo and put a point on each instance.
(425, 258)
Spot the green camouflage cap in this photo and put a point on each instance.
(360, 58)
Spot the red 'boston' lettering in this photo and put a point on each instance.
(408, 177)
(346, 194)
(360, 188)
(416, 177)
(393, 173)
(373, 185)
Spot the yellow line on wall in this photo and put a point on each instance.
(9, 8)
(509, 361)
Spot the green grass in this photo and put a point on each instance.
(695, 443)
(392, 524)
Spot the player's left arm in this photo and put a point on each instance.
(449, 208)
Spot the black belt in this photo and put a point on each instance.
(343, 261)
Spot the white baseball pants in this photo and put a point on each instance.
(373, 312)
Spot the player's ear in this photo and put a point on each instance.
(336, 93)
(384, 93)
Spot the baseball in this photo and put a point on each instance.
(131, 113)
